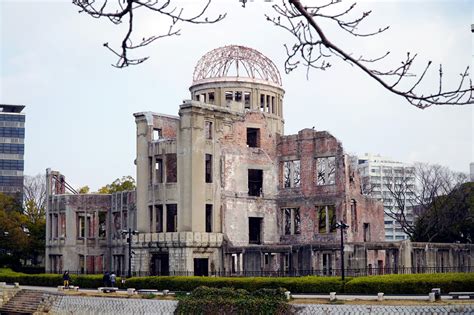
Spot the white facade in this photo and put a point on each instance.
(379, 174)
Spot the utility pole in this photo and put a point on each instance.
(342, 226)
(130, 232)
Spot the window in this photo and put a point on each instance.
(208, 218)
(208, 130)
(102, 224)
(55, 225)
(292, 221)
(326, 219)
(253, 137)
(366, 232)
(62, 225)
(159, 218)
(229, 96)
(291, 174)
(247, 100)
(262, 102)
(171, 168)
(326, 171)
(255, 230)
(171, 218)
(208, 168)
(238, 96)
(157, 134)
(255, 181)
(211, 98)
(81, 226)
(158, 170)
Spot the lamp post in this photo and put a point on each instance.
(130, 232)
(342, 226)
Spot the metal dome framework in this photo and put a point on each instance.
(236, 61)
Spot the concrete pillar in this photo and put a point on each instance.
(144, 128)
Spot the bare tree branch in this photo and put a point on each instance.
(314, 48)
(104, 8)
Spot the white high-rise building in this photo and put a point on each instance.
(379, 175)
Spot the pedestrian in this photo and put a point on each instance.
(106, 279)
(66, 279)
(113, 277)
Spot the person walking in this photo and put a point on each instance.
(106, 279)
(113, 278)
(66, 279)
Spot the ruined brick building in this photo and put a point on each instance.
(221, 188)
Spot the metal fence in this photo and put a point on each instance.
(349, 272)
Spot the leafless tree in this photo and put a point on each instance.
(117, 10)
(312, 48)
(34, 189)
(414, 193)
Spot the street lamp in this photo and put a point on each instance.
(342, 226)
(130, 232)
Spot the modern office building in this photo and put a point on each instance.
(12, 149)
(379, 175)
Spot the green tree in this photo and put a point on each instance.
(120, 184)
(449, 218)
(84, 190)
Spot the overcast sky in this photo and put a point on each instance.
(79, 108)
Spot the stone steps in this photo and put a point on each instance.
(24, 302)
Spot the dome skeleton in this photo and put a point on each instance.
(221, 62)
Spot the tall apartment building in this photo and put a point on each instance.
(379, 175)
(12, 149)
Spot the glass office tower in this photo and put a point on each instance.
(12, 149)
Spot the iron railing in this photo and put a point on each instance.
(349, 272)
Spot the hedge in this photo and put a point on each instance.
(411, 284)
(389, 284)
(205, 300)
(309, 284)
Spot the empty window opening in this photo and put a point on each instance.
(211, 97)
(292, 221)
(159, 218)
(157, 134)
(326, 219)
(150, 214)
(262, 102)
(366, 232)
(208, 218)
(273, 104)
(326, 171)
(291, 174)
(268, 110)
(247, 100)
(255, 230)
(229, 96)
(208, 168)
(158, 170)
(62, 224)
(102, 224)
(327, 264)
(208, 129)
(238, 96)
(255, 182)
(171, 168)
(202, 98)
(201, 267)
(253, 137)
(267, 258)
(81, 226)
(171, 218)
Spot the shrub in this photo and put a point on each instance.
(411, 284)
(205, 300)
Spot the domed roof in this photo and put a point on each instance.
(238, 62)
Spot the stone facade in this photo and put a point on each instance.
(222, 190)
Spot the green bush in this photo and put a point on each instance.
(205, 300)
(411, 284)
(310, 284)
